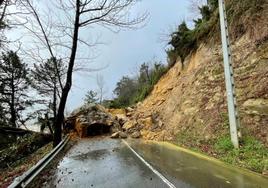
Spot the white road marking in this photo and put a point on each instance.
(163, 178)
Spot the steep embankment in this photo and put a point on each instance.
(188, 105)
(192, 100)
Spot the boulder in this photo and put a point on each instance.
(129, 125)
(119, 111)
(122, 120)
(119, 134)
(136, 134)
(147, 122)
(122, 135)
(115, 135)
(93, 119)
(129, 109)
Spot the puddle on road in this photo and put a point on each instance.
(93, 155)
(191, 170)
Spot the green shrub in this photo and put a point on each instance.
(205, 12)
(224, 144)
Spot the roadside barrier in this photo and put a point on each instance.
(26, 178)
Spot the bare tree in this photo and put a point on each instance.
(101, 87)
(7, 13)
(14, 82)
(67, 19)
(194, 7)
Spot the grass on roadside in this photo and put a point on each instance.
(252, 154)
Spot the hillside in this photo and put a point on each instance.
(188, 105)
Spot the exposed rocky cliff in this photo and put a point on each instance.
(192, 100)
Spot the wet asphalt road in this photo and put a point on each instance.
(107, 163)
(104, 164)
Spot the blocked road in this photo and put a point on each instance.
(107, 163)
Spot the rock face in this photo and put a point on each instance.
(91, 120)
(256, 106)
(190, 102)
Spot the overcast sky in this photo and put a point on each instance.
(124, 51)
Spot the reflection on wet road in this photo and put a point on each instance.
(184, 169)
(106, 163)
(103, 163)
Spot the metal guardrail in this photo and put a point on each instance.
(28, 176)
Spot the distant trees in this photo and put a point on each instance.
(125, 91)
(91, 97)
(129, 90)
(14, 84)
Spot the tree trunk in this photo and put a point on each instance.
(101, 94)
(13, 114)
(12, 104)
(54, 105)
(48, 124)
(68, 84)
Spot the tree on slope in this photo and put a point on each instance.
(13, 86)
(101, 87)
(45, 81)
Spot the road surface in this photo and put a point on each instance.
(107, 163)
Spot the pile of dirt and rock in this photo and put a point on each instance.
(93, 120)
(137, 125)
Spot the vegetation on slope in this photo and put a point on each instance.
(130, 90)
(242, 17)
(7, 175)
(24, 146)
